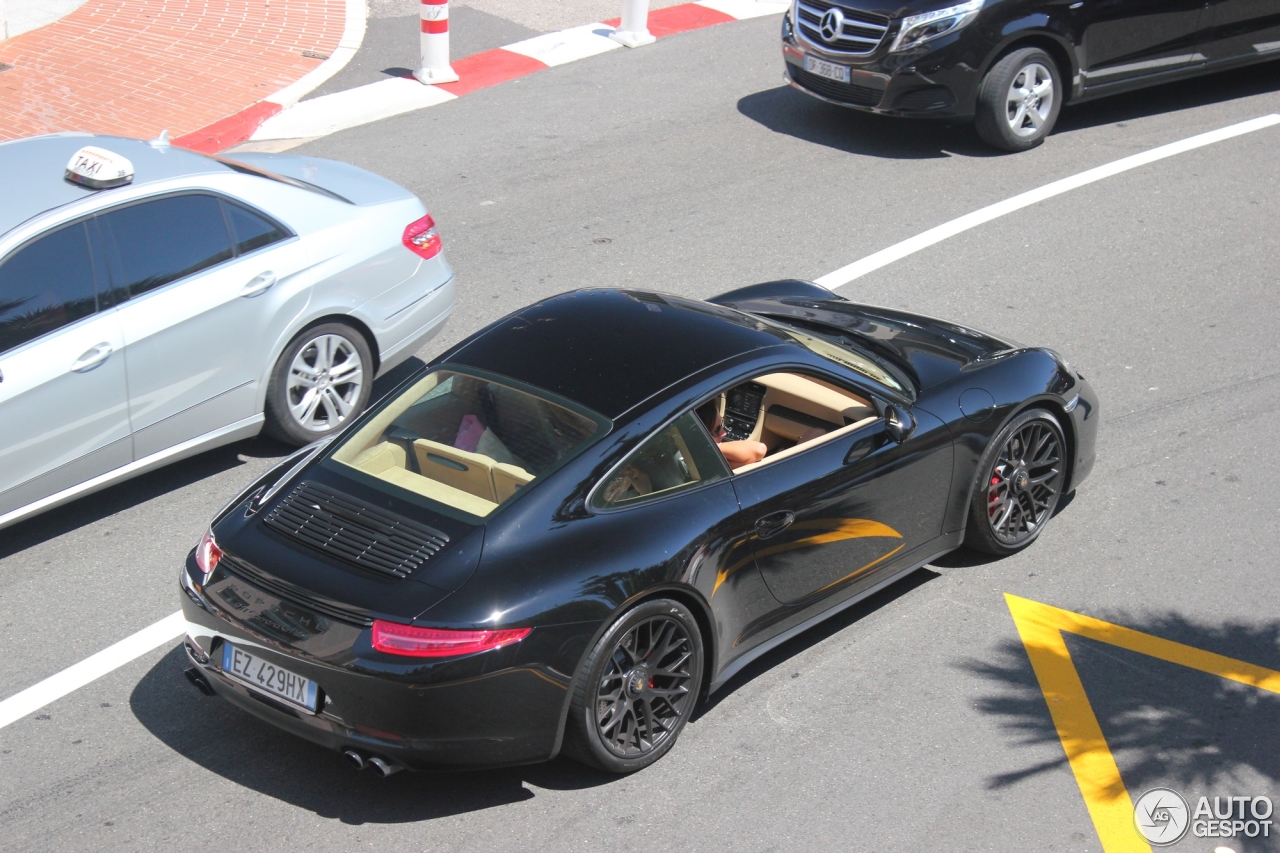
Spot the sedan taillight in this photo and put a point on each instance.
(208, 554)
(412, 641)
(421, 238)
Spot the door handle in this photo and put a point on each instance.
(91, 359)
(774, 523)
(258, 284)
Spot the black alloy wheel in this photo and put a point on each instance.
(637, 688)
(1022, 477)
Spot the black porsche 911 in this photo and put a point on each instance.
(579, 521)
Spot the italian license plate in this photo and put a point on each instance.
(268, 678)
(822, 68)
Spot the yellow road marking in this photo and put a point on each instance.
(1040, 626)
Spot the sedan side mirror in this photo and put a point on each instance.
(898, 423)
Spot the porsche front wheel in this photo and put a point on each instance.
(1020, 482)
(636, 689)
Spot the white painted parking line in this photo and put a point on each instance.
(91, 668)
(935, 235)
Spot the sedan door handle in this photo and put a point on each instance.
(91, 359)
(258, 284)
(774, 523)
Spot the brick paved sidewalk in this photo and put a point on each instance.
(136, 67)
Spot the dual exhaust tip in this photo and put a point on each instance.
(384, 767)
(377, 762)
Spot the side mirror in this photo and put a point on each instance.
(898, 423)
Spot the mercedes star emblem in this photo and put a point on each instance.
(832, 26)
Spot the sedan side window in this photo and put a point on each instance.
(46, 285)
(679, 457)
(252, 231)
(160, 241)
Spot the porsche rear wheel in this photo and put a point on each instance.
(637, 688)
(1021, 481)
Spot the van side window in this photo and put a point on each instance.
(250, 230)
(45, 285)
(160, 241)
(678, 457)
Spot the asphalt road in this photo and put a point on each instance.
(912, 722)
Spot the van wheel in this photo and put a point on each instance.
(321, 381)
(1019, 100)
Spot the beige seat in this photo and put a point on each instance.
(507, 479)
(374, 460)
(468, 472)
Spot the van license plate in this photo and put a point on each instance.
(826, 69)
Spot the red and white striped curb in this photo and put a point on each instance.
(238, 127)
(270, 121)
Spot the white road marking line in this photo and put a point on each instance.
(566, 45)
(91, 668)
(898, 251)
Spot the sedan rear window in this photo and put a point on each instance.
(468, 442)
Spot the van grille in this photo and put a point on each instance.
(362, 536)
(845, 93)
(859, 35)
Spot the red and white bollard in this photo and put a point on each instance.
(634, 29)
(435, 66)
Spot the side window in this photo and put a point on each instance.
(251, 231)
(46, 285)
(160, 241)
(678, 457)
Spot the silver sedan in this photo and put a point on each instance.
(155, 302)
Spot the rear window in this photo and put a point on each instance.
(469, 442)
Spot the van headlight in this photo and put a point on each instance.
(918, 29)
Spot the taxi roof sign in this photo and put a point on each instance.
(98, 168)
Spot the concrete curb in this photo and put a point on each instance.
(238, 127)
(280, 122)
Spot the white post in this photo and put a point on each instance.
(435, 66)
(4, 23)
(634, 29)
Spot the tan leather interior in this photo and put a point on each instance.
(507, 479)
(447, 495)
(810, 396)
(799, 448)
(453, 467)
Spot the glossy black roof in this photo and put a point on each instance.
(609, 350)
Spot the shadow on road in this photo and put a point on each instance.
(1165, 724)
(786, 110)
(237, 746)
(813, 636)
(1172, 97)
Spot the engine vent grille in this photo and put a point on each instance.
(365, 537)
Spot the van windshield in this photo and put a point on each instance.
(466, 441)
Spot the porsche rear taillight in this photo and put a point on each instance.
(421, 238)
(208, 554)
(412, 641)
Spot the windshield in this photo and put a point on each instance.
(465, 441)
(836, 350)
